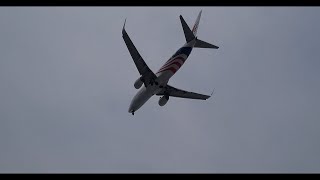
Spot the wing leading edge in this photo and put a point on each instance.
(174, 92)
(145, 72)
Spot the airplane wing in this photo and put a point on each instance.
(144, 70)
(174, 92)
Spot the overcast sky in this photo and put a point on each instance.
(66, 82)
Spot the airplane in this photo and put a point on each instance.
(157, 83)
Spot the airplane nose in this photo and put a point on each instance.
(130, 109)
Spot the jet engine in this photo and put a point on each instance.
(163, 100)
(138, 83)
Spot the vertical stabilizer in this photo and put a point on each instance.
(191, 34)
(188, 33)
(196, 24)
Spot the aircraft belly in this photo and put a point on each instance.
(143, 95)
(142, 100)
(164, 77)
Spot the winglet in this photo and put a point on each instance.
(212, 92)
(123, 30)
(187, 32)
(124, 24)
(210, 95)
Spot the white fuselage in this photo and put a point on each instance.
(163, 76)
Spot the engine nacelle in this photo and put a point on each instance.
(163, 100)
(138, 83)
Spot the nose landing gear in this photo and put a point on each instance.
(132, 112)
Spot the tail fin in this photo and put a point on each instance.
(191, 34)
(196, 24)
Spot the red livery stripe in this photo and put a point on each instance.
(175, 62)
(172, 69)
(172, 62)
(181, 58)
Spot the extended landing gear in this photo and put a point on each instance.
(132, 112)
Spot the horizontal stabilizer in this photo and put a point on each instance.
(203, 44)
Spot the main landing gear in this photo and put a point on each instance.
(155, 82)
